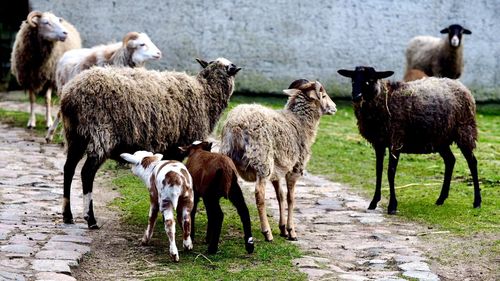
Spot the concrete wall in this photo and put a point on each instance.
(278, 41)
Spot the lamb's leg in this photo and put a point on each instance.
(184, 209)
(391, 173)
(32, 120)
(89, 170)
(280, 195)
(193, 214)
(380, 154)
(75, 153)
(291, 179)
(48, 108)
(449, 163)
(236, 197)
(51, 131)
(153, 215)
(472, 162)
(260, 196)
(168, 220)
(215, 219)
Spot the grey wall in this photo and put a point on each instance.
(279, 41)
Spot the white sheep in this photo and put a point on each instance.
(267, 144)
(170, 188)
(134, 51)
(440, 57)
(41, 41)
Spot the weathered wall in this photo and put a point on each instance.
(278, 41)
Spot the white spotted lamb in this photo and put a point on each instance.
(267, 144)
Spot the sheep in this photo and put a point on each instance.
(170, 187)
(419, 117)
(41, 41)
(440, 57)
(267, 144)
(414, 74)
(137, 109)
(135, 49)
(215, 176)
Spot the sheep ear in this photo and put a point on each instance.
(183, 148)
(291, 92)
(383, 74)
(446, 30)
(466, 31)
(158, 156)
(130, 158)
(202, 62)
(346, 73)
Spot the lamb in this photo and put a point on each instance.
(440, 57)
(136, 109)
(214, 176)
(41, 41)
(170, 187)
(135, 49)
(419, 117)
(267, 144)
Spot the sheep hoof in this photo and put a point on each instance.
(268, 236)
(93, 226)
(477, 204)
(68, 220)
(373, 206)
(292, 238)
(391, 212)
(212, 250)
(249, 245)
(440, 201)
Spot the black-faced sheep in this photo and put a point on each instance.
(41, 41)
(136, 109)
(170, 188)
(267, 144)
(440, 57)
(419, 117)
(215, 176)
(134, 51)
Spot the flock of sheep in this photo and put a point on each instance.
(112, 107)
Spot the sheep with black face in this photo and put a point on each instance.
(419, 117)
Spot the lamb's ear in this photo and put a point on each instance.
(446, 30)
(158, 156)
(291, 92)
(130, 158)
(383, 74)
(466, 31)
(202, 62)
(346, 73)
(209, 146)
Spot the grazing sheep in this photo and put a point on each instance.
(414, 74)
(41, 41)
(440, 57)
(134, 51)
(170, 188)
(136, 109)
(419, 117)
(214, 176)
(267, 144)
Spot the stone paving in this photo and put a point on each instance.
(341, 239)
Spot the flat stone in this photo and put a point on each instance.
(14, 263)
(315, 273)
(66, 246)
(414, 266)
(421, 275)
(59, 255)
(71, 238)
(4, 275)
(353, 277)
(52, 266)
(50, 276)
(18, 249)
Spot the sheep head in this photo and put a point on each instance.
(455, 32)
(364, 81)
(49, 26)
(195, 146)
(230, 68)
(142, 161)
(141, 47)
(312, 91)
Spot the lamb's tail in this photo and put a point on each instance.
(233, 145)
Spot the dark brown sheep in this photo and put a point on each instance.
(215, 176)
(419, 117)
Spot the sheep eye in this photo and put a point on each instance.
(142, 44)
(60, 20)
(367, 83)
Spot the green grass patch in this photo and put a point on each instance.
(20, 119)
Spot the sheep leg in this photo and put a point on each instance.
(449, 163)
(153, 215)
(184, 209)
(169, 222)
(215, 218)
(193, 214)
(32, 120)
(472, 162)
(291, 179)
(391, 173)
(260, 196)
(48, 108)
(89, 170)
(51, 131)
(380, 154)
(236, 197)
(74, 155)
(280, 195)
